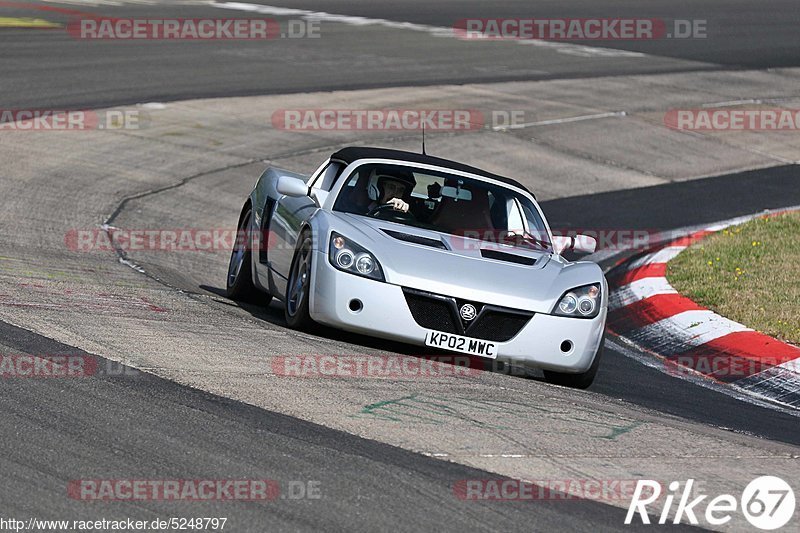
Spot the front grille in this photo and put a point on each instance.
(500, 326)
(434, 311)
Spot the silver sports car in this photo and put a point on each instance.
(423, 250)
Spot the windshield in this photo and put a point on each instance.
(443, 202)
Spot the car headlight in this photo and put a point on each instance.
(581, 302)
(348, 256)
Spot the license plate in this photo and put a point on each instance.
(457, 343)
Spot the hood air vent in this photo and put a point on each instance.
(511, 258)
(416, 239)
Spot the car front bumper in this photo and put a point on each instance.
(385, 313)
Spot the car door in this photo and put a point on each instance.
(288, 216)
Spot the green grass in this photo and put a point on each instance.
(748, 273)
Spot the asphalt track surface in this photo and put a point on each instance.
(58, 431)
(138, 425)
(54, 70)
(740, 33)
(55, 432)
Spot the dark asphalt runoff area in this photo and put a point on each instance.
(52, 69)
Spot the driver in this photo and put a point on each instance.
(390, 189)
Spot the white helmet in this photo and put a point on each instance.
(375, 188)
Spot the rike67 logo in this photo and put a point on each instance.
(767, 503)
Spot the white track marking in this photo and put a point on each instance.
(560, 121)
(436, 31)
(657, 363)
(691, 328)
(640, 289)
(732, 103)
(780, 383)
(664, 255)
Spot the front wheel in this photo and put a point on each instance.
(239, 285)
(298, 288)
(582, 380)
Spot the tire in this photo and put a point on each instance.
(582, 380)
(298, 287)
(239, 282)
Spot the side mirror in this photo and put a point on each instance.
(579, 243)
(292, 187)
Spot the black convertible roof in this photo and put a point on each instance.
(354, 153)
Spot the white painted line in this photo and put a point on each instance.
(780, 383)
(664, 255)
(560, 121)
(436, 31)
(277, 11)
(639, 290)
(790, 370)
(741, 220)
(580, 50)
(791, 366)
(691, 328)
(732, 103)
(633, 351)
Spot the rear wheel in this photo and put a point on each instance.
(239, 285)
(582, 380)
(298, 288)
